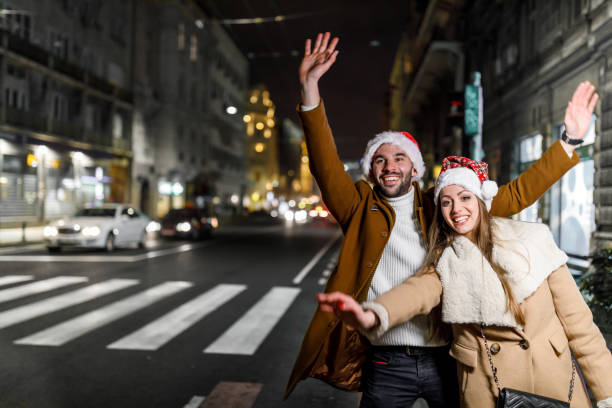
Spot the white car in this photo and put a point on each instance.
(108, 226)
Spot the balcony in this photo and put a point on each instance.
(41, 56)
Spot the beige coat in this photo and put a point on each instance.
(534, 358)
(332, 351)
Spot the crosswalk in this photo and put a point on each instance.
(244, 337)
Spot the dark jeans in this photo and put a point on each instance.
(395, 377)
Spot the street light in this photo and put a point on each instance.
(231, 110)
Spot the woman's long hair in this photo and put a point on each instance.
(441, 236)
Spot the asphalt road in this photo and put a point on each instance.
(179, 324)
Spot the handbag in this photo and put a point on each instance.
(511, 398)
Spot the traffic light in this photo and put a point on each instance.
(455, 111)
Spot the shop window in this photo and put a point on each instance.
(528, 150)
(572, 212)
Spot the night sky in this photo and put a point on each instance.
(355, 89)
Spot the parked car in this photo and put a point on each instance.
(192, 223)
(107, 226)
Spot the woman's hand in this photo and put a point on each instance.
(347, 309)
(578, 113)
(315, 63)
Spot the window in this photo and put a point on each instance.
(527, 150)
(181, 36)
(193, 48)
(18, 23)
(572, 212)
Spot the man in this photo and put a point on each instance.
(385, 229)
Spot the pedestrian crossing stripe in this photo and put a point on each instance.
(243, 338)
(64, 332)
(10, 279)
(39, 287)
(159, 332)
(23, 313)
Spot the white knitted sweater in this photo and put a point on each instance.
(401, 258)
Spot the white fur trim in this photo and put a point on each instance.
(472, 292)
(607, 403)
(397, 139)
(465, 177)
(383, 316)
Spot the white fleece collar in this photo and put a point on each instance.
(472, 291)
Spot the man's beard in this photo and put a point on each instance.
(404, 187)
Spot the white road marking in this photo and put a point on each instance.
(9, 279)
(53, 304)
(246, 334)
(322, 281)
(327, 273)
(71, 329)
(104, 258)
(195, 402)
(302, 274)
(39, 287)
(159, 332)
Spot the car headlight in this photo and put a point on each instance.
(153, 226)
(91, 231)
(183, 227)
(49, 231)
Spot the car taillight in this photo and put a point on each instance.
(213, 222)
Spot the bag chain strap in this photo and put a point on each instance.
(494, 369)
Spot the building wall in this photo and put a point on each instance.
(529, 74)
(66, 115)
(184, 84)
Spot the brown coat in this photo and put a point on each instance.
(536, 358)
(330, 350)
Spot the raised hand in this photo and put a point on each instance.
(315, 63)
(579, 111)
(347, 309)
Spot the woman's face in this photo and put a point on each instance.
(460, 209)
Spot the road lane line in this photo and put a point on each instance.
(104, 258)
(71, 329)
(246, 334)
(159, 332)
(302, 274)
(53, 304)
(39, 287)
(195, 402)
(233, 394)
(9, 279)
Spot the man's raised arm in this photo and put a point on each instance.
(337, 188)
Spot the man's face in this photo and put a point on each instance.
(392, 170)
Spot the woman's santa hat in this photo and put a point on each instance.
(467, 173)
(404, 141)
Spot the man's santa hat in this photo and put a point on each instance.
(404, 141)
(467, 173)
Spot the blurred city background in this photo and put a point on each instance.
(152, 164)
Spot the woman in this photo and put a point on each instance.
(497, 281)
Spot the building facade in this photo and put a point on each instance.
(125, 101)
(190, 86)
(262, 149)
(67, 106)
(530, 68)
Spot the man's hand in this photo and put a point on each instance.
(578, 113)
(315, 63)
(347, 309)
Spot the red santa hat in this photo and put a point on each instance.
(403, 140)
(467, 173)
